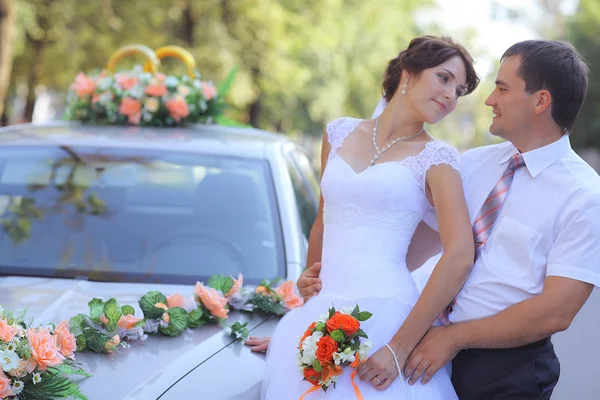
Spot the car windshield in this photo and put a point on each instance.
(130, 215)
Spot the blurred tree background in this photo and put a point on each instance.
(301, 63)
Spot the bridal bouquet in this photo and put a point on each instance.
(37, 362)
(331, 343)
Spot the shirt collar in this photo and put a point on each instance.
(539, 159)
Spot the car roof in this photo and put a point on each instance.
(197, 138)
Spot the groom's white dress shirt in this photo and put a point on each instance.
(549, 226)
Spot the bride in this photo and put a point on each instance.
(379, 176)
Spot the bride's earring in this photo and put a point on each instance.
(404, 86)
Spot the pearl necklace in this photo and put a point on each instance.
(390, 145)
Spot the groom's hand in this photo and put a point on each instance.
(309, 283)
(435, 350)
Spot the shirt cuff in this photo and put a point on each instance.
(577, 273)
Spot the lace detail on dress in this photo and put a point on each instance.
(350, 215)
(337, 130)
(434, 153)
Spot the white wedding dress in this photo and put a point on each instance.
(369, 219)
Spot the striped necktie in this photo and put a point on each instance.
(487, 215)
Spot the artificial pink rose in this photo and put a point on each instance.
(65, 340)
(8, 332)
(212, 299)
(128, 321)
(126, 82)
(175, 300)
(44, 350)
(237, 285)
(20, 371)
(178, 108)
(156, 89)
(83, 85)
(287, 291)
(112, 344)
(5, 389)
(131, 108)
(104, 320)
(209, 90)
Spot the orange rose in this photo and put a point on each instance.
(8, 332)
(345, 322)
(312, 376)
(325, 348)
(178, 108)
(308, 332)
(329, 370)
(212, 299)
(237, 285)
(5, 388)
(44, 350)
(175, 300)
(65, 340)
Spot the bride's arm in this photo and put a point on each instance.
(315, 239)
(309, 283)
(445, 192)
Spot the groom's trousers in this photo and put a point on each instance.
(522, 373)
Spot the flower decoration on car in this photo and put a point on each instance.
(145, 96)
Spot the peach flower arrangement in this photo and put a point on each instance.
(139, 98)
(37, 361)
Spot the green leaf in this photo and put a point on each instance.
(266, 305)
(331, 312)
(226, 84)
(148, 301)
(321, 327)
(81, 343)
(338, 335)
(356, 312)
(76, 324)
(364, 315)
(96, 341)
(178, 323)
(361, 333)
(221, 282)
(239, 330)
(96, 309)
(195, 318)
(112, 312)
(72, 369)
(317, 365)
(128, 310)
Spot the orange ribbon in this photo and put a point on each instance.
(312, 389)
(357, 392)
(355, 365)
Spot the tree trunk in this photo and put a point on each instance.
(7, 31)
(256, 106)
(189, 24)
(35, 73)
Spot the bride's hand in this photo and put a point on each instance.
(259, 345)
(380, 368)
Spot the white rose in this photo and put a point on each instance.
(9, 360)
(363, 350)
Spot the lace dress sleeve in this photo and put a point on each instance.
(337, 130)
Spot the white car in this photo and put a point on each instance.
(108, 211)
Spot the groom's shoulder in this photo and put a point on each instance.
(482, 153)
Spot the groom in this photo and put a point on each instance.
(538, 265)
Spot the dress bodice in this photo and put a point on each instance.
(370, 216)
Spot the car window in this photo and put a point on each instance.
(306, 188)
(136, 215)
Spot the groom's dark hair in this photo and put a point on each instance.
(427, 52)
(558, 68)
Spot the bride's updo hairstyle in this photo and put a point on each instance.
(427, 52)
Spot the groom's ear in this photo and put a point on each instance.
(543, 100)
